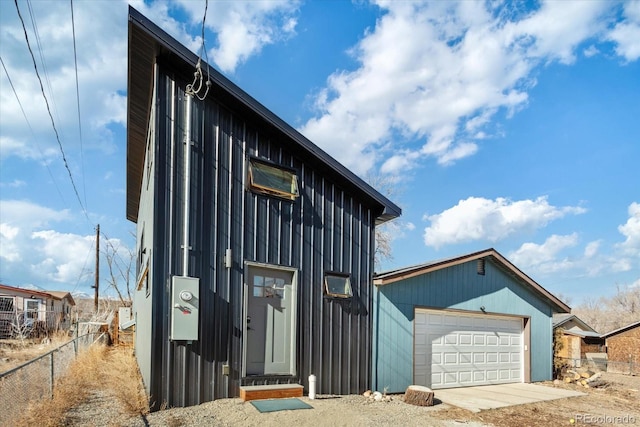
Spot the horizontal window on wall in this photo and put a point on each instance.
(337, 285)
(6, 303)
(272, 180)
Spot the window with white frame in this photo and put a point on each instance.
(31, 306)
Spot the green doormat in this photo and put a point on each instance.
(272, 405)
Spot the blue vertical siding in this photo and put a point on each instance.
(455, 287)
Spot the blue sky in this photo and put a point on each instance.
(512, 125)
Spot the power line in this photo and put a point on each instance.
(198, 78)
(75, 59)
(31, 129)
(82, 271)
(64, 158)
(45, 69)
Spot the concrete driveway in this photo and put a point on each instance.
(479, 398)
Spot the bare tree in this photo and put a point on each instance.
(385, 233)
(121, 263)
(607, 314)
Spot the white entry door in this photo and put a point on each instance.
(270, 322)
(461, 349)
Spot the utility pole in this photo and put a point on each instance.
(97, 275)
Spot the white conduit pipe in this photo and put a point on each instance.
(187, 185)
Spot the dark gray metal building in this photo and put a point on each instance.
(255, 248)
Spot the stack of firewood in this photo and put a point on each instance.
(585, 378)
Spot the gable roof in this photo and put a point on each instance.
(146, 42)
(62, 295)
(57, 295)
(623, 329)
(560, 319)
(418, 270)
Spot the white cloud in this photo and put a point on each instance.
(627, 253)
(435, 74)
(591, 249)
(102, 68)
(544, 258)
(552, 257)
(626, 34)
(243, 28)
(477, 218)
(18, 219)
(61, 256)
(32, 251)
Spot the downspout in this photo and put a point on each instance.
(187, 185)
(376, 343)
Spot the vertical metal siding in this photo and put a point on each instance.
(325, 229)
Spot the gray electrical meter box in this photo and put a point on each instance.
(185, 300)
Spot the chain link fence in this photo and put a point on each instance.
(36, 379)
(28, 324)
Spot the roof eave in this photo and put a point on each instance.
(385, 279)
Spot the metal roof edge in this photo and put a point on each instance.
(622, 329)
(390, 211)
(572, 317)
(396, 275)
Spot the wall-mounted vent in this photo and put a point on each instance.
(481, 266)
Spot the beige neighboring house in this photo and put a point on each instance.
(578, 338)
(42, 310)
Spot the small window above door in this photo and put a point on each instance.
(272, 180)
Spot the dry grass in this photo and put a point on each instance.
(15, 352)
(98, 368)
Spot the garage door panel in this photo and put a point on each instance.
(451, 358)
(453, 350)
(450, 320)
(450, 378)
(433, 319)
(465, 377)
(465, 338)
(451, 339)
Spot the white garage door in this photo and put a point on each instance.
(457, 350)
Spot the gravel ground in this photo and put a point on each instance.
(352, 410)
(355, 410)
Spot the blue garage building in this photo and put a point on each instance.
(470, 320)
